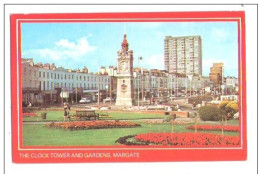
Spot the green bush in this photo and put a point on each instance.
(210, 113)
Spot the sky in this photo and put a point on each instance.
(75, 45)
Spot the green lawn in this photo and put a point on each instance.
(35, 135)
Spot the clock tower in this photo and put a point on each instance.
(125, 88)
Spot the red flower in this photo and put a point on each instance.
(91, 125)
(188, 139)
(215, 127)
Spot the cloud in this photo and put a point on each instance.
(155, 61)
(219, 34)
(64, 50)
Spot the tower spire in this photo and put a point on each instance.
(124, 44)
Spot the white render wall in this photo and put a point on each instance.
(49, 79)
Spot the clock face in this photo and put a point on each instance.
(123, 66)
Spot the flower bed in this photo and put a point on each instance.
(78, 125)
(215, 128)
(188, 139)
(163, 121)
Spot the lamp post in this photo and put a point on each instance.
(111, 90)
(171, 94)
(142, 81)
(135, 75)
(176, 86)
(107, 92)
(186, 89)
(190, 78)
(139, 58)
(76, 86)
(51, 89)
(98, 90)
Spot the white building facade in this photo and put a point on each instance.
(44, 83)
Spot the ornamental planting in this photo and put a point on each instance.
(188, 139)
(215, 128)
(79, 125)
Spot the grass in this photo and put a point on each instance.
(39, 135)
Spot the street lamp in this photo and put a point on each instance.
(176, 86)
(135, 75)
(190, 76)
(76, 86)
(107, 92)
(139, 59)
(98, 90)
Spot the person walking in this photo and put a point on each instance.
(66, 108)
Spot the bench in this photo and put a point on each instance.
(86, 114)
(30, 114)
(31, 109)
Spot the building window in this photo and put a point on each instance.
(51, 75)
(34, 73)
(55, 76)
(40, 74)
(43, 74)
(48, 85)
(47, 74)
(65, 85)
(58, 76)
(65, 77)
(84, 78)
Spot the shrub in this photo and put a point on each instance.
(230, 108)
(223, 105)
(210, 113)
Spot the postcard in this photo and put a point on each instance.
(128, 87)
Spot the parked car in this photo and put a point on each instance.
(107, 100)
(85, 100)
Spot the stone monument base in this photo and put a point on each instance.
(124, 102)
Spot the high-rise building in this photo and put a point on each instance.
(216, 74)
(183, 55)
